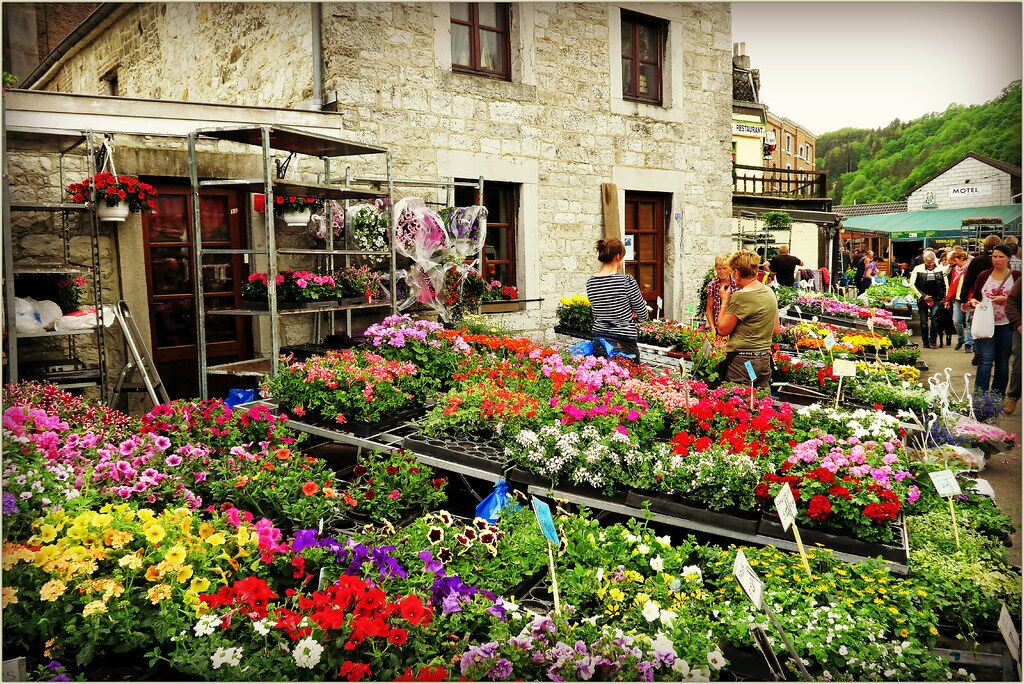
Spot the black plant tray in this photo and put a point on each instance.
(360, 429)
(737, 521)
(483, 454)
(526, 478)
(569, 332)
(895, 552)
(801, 395)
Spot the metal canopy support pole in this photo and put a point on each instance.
(197, 269)
(268, 190)
(329, 216)
(97, 274)
(8, 244)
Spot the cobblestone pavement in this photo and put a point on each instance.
(1003, 471)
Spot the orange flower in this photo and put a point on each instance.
(268, 466)
(349, 500)
(310, 488)
(284, 454)
(330, 493)
(241, 482)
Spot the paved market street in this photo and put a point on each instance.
(1003, 471)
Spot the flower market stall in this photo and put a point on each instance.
(206, 542)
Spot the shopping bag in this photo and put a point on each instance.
(582, 349)
(983, 325)
(239, 396)
(490, 508)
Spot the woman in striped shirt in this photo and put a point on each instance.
(615, 300)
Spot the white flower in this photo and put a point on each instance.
(262, 627)
(716, 660)
(682, 667)
(676, 585)
(651, 611)
(644, 549)
(692, 570)
(668, 617)
(307, 652)
(206, 625)
(657, 564)
(600, 574)
(662, 644)
(664, 541)
(843, 651)
(226, 656)
(962, 672)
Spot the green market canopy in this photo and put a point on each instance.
(929, 223)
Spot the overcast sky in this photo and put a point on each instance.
(828, 65)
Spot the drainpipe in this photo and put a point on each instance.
(318, 56)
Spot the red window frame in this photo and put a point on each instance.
(632, 23)
(475, 28)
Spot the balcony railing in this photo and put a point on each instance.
(773, 182)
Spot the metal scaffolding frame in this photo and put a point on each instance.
(61, 144)
(295, 142)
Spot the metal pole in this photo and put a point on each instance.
(197, 268)
(97, 278)
(329, 215)
(8, 243)
(268, 193)
(391, 214)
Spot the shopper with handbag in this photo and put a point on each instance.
(993, 334)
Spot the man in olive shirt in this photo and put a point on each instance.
(784, 265)
(749, 317)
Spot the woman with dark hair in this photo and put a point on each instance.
(749, 317)
(615, 300)
(994, 285)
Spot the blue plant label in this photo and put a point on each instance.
(547, 524)
(750, 370)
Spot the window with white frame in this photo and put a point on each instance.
(789, 144)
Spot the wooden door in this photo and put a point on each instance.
(170, 252)
(645, 222)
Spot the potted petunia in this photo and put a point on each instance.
(116, 196)
(500, 298)
(295, 290)
(293, 210)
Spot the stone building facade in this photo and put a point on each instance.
(974, 181)
(556, 130)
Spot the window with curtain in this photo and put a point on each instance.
(480, 39)
(643, 48)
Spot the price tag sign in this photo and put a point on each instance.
(830, 341)
(750, 371)
(871, 324)
(691, 309)
(547, 524)
(752, 585)
(785, 504)
(844, 368)
(1008, 629)
(945, 483)
(799, 311)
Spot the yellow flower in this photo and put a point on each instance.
(158, 593)
(893, 610)
(243, 535)
(215, 539)
(113, 589)
(184, 573)
(52, 590)
(154, 533)
(199, 585)
(922, 592)
(47, 533)
(616, 594)
(153, 573)
(130, 560)
(205, 530)
(933, 631)
(175, 556)
(878, 601)
(93, 608)
(146, 515)
(102, 519)
(904, 632)
(641, 598)
(9, 598)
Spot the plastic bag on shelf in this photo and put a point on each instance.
(239, 396)
(27, 320)
(490, 508)
(85, 319)
(48, 311)
(420, 235)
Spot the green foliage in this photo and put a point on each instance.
(884, 164)
(776, 219)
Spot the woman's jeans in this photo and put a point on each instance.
(994, 365)
(962, 323)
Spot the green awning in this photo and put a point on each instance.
(929, 223)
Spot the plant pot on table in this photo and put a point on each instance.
(895, 551)
(526, 478)
(298, 219)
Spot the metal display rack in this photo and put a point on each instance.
(62, 144)
(759, 236)
(294, 142)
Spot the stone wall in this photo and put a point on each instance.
(978, 173)
(559, 128)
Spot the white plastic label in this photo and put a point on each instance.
(752, 585)
(785, 504)
(830, 341)
(844, 368)
(1008, 629)
(945, 483)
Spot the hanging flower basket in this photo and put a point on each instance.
(115, 214)
(295, 218)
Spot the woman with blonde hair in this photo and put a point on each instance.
(749, 317)
(714, 295)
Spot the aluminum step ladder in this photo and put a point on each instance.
(140, 361)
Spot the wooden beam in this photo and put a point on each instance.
(610, 210)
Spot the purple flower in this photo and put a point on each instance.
(450, 604)
(646, 670)
(10, 503)
(501, 670)
(61, 678)
(54, 665)
(585, 668)
(174, 461)
(304, 539)
(430, 564)
(497, 610)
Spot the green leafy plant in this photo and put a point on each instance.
(574, 313)
(387, 485)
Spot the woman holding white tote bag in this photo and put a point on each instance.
(993, 336)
